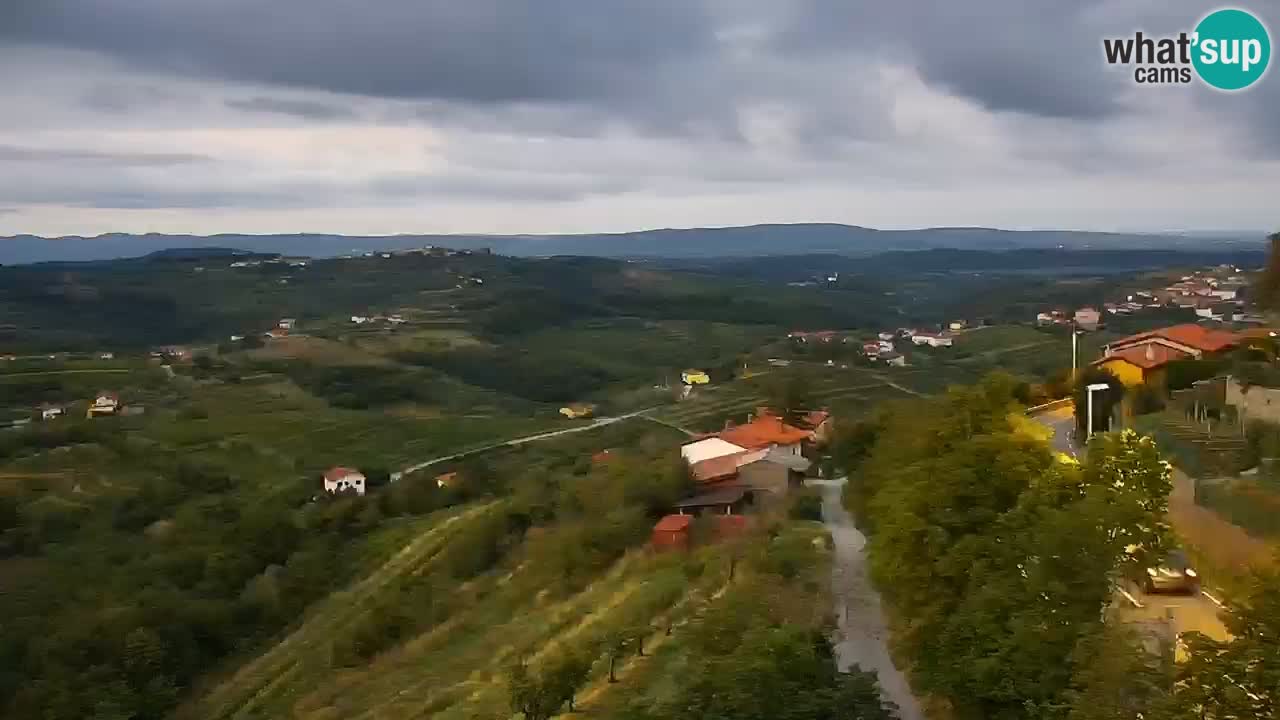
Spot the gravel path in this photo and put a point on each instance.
(863, 632)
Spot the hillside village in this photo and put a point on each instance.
(379, 410)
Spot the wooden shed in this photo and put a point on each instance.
(672, 532)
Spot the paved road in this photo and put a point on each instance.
(1186, 612)
(863, 630)
(598, 423)
(1197, 612)
(1062, 422)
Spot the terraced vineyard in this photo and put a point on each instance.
(457, 668)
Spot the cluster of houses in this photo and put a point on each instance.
(425, 251)
(1214, 294)
(742, 468)
(884, 347)
(280, 260)
(1086, 318)
(106, 403)
(389, 319)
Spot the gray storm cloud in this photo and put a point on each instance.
(431, 109)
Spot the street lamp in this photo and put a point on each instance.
(1075, 332)
(1090, 390)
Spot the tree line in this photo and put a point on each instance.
(997, 563)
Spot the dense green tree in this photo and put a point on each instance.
(1118, 675)
(541, 695)
(783, 672)
(998, 558)
(791, 395)
(1266, 290)
(1238, 678)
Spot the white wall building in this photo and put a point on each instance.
(341, 479)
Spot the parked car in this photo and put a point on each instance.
(1175, 574)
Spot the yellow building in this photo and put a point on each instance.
(573, 412)
(1139, 366)
(695, 377)
(1141, 359)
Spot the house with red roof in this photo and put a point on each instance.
(672, 532)
(767, 430)
(339, 480)
(1141, 359)
(752, 464)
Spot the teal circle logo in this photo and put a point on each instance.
(1231, 49)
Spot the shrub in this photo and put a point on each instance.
(807, 506)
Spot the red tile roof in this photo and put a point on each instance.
(337, 473)
(763, 432)
(1190, 334)
(1147, 356)
(673, 523)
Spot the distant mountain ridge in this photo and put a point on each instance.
(690, 243)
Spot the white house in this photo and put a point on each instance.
(106, 403)
(696, 452)
(885, 346)
(886, 336)
(1088, 318)
(359, 319)
(237, 338)
(395, 319)
(106, 356)
(286, 323)
(341, 479)
(49, 412)
(931, 340)
(956, 325)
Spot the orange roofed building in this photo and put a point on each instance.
(765, 432)
(1141, 359)
(672, 532)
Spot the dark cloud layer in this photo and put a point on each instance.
(299, 104)
(477, 51)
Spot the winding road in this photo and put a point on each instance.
(863, 631)
(598, 423)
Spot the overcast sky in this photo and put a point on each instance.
(388, 116)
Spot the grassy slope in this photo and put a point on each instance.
(456, 670)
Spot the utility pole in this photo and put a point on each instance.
(1074, 332)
